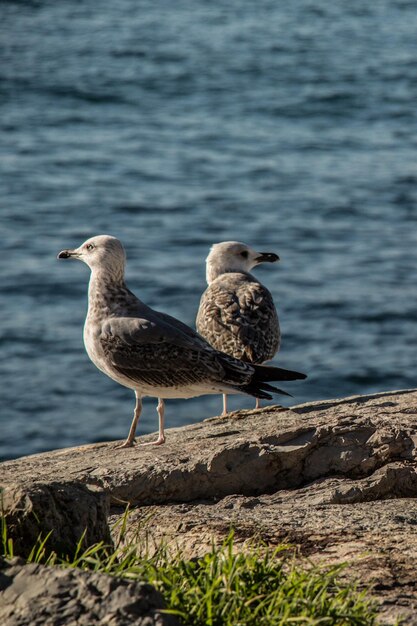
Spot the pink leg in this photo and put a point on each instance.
(130, 441)
(224, 404)
(161, 434)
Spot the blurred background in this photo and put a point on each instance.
(291, 126)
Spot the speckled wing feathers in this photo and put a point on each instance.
(148, 354)
(237, 315)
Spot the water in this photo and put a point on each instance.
(289, 126)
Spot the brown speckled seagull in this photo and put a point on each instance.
(150, 352)
(237, 314)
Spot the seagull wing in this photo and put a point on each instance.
(237, 315)
(152, 351)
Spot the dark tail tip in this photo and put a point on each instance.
(269, 372)
(260, 390)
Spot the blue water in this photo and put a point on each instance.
(289, 126)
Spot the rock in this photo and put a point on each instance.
(336, 478)
(68, 509)
(49, 596)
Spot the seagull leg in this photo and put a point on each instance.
(161, 414)
(161, 435)
(130, 441)
(224, 404)
(258, 403)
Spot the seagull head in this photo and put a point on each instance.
(234, 256)
(100, 253)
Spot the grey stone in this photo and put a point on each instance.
(66, 509)
(50, 596)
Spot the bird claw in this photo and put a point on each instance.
(126, 444)
(158, 442)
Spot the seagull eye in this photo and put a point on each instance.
(90, 246)
(245, 254)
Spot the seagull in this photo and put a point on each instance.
(237, 314)
(150, 352)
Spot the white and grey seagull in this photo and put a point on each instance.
(237, 314)
(150, 352)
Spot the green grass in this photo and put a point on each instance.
(258, 586)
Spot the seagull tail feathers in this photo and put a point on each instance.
(260, 390)
(266, 373)
(259, 386)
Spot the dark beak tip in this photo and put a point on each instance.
(269, 257)
(64, 254)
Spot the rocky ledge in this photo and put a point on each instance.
(49, 596)
(336, 478)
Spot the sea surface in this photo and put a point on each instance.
(291, 126)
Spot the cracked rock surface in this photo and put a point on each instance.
(336, 478)
(48, 596)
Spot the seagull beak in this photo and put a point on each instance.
(67, 254)
(267, 257)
